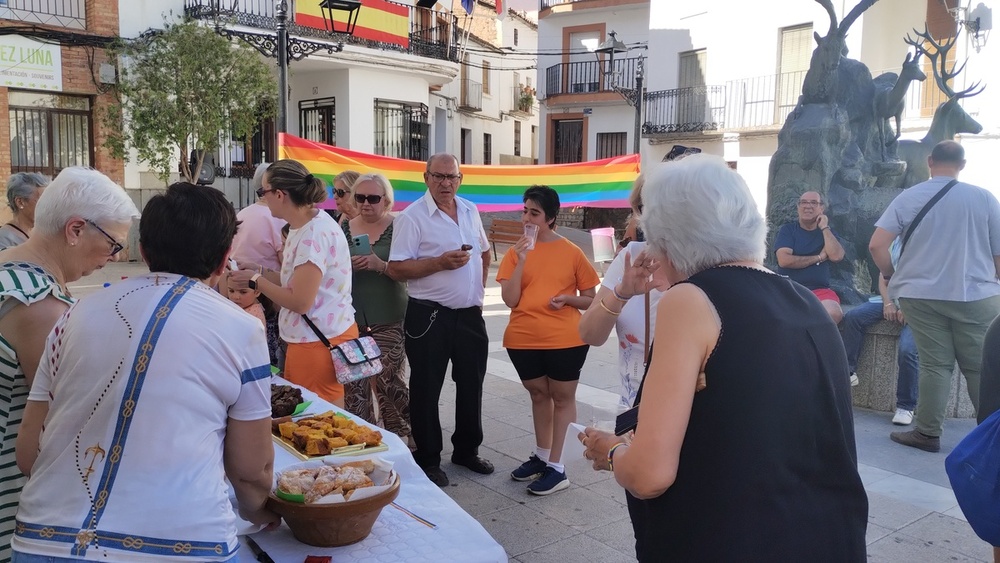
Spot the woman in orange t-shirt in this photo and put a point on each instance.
(546, 281)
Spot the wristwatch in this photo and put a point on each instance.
(252, 283)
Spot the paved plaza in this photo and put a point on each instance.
(913, 515)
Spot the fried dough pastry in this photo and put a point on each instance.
(297, 482)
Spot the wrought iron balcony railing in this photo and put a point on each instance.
(64, 13)
(589, 77)
(472, 95)
(684, 110)
(431, 34)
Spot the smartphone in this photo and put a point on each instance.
(627, 421)
(360, 246)
(467, 247)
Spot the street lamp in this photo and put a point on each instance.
(287, 49)
(632, 96)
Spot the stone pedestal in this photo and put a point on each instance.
(877, 370)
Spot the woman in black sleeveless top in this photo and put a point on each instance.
(745, 447)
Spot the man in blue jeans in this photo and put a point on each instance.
(853, 328)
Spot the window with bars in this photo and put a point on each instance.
(515, 37)
(517, 138)
(610, 145)
(487, 148)
(318, 120)
(49, 132)
(401, 129)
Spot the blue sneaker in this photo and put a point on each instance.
(529, 470)
(550, 482)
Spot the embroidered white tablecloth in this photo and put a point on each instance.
(395, 536)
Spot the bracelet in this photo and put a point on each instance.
(825, 228)
(611, 455)
(384, 269)
(605, 307)
(618, 296)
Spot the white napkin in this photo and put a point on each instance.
(572, 448)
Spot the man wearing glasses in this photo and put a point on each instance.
(805, 248)
(440, 248)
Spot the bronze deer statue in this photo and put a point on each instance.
(949, 118)
(891, 95)
(820, 82)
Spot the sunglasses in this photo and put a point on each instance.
(340, 193)
(262, 191)
(372, 199)
(116, 246)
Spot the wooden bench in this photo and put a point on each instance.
(504, 232)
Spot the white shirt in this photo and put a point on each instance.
(258, 238)
(166, 486)
(321, 242)
(631, 327)
(424, 231)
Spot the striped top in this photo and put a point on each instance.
(26, 283)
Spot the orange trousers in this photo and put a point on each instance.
(311, 366)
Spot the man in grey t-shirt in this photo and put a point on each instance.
(946, 282)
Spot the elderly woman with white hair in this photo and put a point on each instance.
(23, 191)
(80, 222)
(744, 448)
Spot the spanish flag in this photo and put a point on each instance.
(378, 20)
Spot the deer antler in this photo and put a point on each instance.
(828, 6)
(938, 56)
(854, 14)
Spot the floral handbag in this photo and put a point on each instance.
(352, 360)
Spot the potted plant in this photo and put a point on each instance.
(526, 100)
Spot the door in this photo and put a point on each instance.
(692, 106)
(568, 141)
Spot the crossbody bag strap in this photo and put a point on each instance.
(322, 338)
(916, 220)
(645, 352)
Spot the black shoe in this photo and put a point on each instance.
(475, 463)
(918, 440)
(436, 475)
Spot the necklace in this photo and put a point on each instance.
(19, 229)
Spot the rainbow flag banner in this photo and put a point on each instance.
(378, 20)
(599, 183)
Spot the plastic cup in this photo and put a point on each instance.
(531, 231)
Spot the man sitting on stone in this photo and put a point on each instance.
(856, 323)
(805, 248)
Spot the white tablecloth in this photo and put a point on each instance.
(395, 536)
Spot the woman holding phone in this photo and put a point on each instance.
(380, 304)
(313, 282)
(546, 281)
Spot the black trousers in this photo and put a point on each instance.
(436, 335)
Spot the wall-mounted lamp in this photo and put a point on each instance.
(978, 22)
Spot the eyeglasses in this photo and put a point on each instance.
(260, 192)
(340, 193)
(116, 246)
(442, 177)
(372, 199)
(810, 202)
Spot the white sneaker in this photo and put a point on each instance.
(902, 417)
(854, 380)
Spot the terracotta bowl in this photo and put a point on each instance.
(333, 525)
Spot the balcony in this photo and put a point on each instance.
(62, 13)
(586, 77)
(472, 96)
(684, 110)
(431, 34)
(522, 99)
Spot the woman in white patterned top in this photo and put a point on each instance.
(80, 220)
(314, 281)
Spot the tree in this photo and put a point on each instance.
(183, 88)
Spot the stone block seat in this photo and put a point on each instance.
(877, 370)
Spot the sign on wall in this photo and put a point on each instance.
(30, 64)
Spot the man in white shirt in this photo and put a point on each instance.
(439, 246)
(945, 282)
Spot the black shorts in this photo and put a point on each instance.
(561, 364)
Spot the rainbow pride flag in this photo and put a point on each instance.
(599, 183)
(378, 20)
